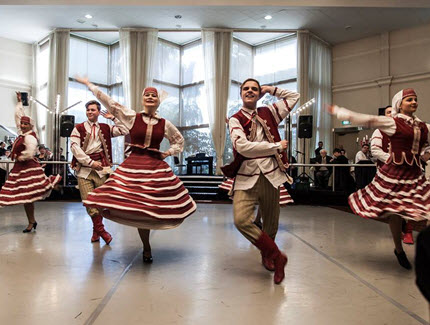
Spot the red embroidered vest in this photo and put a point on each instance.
(105, 138)
(139, 129)
(407, 142)
(18, 146)
(230, 170)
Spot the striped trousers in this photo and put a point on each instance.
(87, 185)
(244, 201)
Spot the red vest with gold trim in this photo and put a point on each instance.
(407, 142)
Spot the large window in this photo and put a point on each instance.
(101, 64)
(179, 72)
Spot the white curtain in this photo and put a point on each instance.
(314, 81)
(216, 53)
(138, 52)
(320, 68)
(38, 113)
(59, 42)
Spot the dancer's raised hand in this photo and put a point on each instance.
(83, 80)
(18, 96)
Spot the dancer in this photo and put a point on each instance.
(284, 198)
(27, 181)
(379, 146)
(91, 146)
(399, 189)
(143, 192)
(259, 167)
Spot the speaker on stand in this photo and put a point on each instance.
(67, 124)
(305, 132)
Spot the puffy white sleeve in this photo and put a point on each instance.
(384, 123)
(376, 147)
(248, 148)
(124, 114)
(282, 108)
(175, 138)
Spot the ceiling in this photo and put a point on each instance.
(333, 24)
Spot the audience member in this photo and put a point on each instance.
(318, 150)
(322, 174)
(343, 180)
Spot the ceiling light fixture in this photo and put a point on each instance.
(348, 27)
(268, 17)
(263, 26)
(178, 16)
(88, 16)
(80, 20)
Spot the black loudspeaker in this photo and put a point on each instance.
(305, 126)
(381, 111)
(67, 123)
(24, 99)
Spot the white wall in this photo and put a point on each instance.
(368, 72)
(15, 75)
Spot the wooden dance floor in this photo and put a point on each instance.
(341, 270)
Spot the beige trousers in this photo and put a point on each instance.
(88, 185)
(267, 197)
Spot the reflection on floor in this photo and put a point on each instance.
(341, 270)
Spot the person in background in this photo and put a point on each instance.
(2, 148)
(322, 174)
(318, 150)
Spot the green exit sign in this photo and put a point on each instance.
(346, 122)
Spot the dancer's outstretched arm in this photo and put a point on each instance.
(124, 114)
(384, 123)
(283, 107)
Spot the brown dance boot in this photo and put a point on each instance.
(270, 251)
(100, 229)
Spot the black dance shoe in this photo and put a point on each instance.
(33, 225)
(403, 260)
(147, 259)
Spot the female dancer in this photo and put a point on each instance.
(399, 189)
(143, 192)
(27, 181)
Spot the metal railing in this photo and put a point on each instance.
(67, 163)
(334, 168)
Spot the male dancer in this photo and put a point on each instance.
(92, 150)
(259, 167)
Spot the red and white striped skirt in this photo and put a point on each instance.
(143, 192)
(27, 183)
(402, 190)
(284, 196)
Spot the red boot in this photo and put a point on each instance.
(100, 229)
(95, 237)
(271, 254)
(408, 238)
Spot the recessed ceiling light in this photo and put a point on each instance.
(178, 16)
(88, 16)
(268, 17)
(80, 20)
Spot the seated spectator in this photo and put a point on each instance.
(322, 174)
(363, 154)
(2, 148)
(364, 175)
(44, 156)
(343, 180)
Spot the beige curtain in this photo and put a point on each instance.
(216, 53)
(58, 81)
(138, 52)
